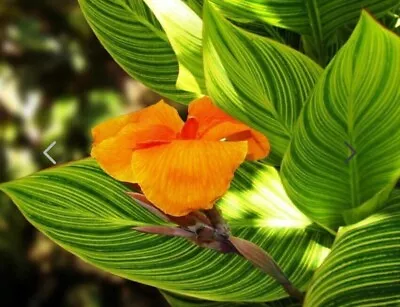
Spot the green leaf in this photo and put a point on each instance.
(256, 79)
(196, 6)
(280, 35)
(315, 18)
(184, 31)
(391, 20)
(306, 17)
(356, 101)
(176, 300)
(371, 205)
(89, 214)
(363, 268)
(138, 42)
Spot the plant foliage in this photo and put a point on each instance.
(89, 214)
(314, 77)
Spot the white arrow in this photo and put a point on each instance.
(47, 155)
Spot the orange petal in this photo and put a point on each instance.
(187, 175)
(258, 146)
(190, 129)
(110, 127)
(157, 114)
(227, 129)
(216, 125)
(207, 114)
(115, 153)
(160, 114)
(234, 131)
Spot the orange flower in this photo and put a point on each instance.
(180, 167)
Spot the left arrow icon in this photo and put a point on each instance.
(45, 152)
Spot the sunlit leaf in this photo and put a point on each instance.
(363, 268)
(89, 214)
(137, 41)
(184, 31)
(258, 80)
(176, 300)
(357, 101)
(317, 19)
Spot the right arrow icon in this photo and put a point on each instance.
(353, 152)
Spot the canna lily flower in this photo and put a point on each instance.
(180, 166)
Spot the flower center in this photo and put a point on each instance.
(189, 129)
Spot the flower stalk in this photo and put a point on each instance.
(208, 229)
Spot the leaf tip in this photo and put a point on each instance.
(367, 18)
(3, 187)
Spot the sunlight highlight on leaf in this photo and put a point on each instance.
(88, 213)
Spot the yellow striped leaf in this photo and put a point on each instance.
(316, 19)
(363, 268)
(176, 300)
(89, 214)
(148, 44)
(356, 103)
(256, 79)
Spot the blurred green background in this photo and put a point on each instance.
(56, 82)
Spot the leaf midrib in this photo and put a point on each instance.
(353, 169)
(312, 9)
(162, 35)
